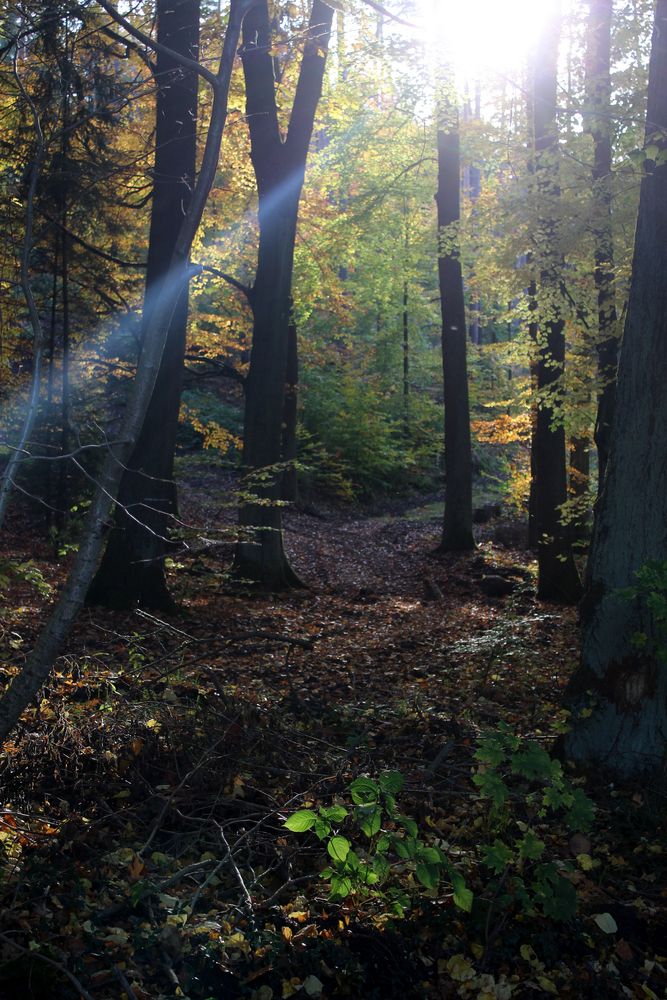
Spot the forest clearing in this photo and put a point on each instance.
(333, 494)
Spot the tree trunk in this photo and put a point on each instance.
(132, 570)
(290, 490)
(279, 166)
(599, 101)
(618, 696)
(25, 686)
(457, 533)
(579, 476)
(558, 578)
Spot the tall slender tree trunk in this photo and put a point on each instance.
(457, 535)
(618, 696)
(25, 685)
(558, 578)
(279, 166)
(290, 490)
(132, 570)
(599, 102)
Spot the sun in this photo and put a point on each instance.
(476, 37)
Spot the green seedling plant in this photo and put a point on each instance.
(525, 786)
(382, 857)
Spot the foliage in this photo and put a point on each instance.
(393, 864)
(651, 590)
(524, 785)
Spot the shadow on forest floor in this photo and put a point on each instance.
(145, 796)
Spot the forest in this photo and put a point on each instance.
(333, 499)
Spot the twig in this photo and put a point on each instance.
(49, 961)
(122, 979)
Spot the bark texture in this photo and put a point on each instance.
(619, 694)
(279, 164)
(132, 570)
(598, 85)
(457, 533)
(558, 578)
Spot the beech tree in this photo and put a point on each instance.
(558, 577)
(599, 102)
(457, 533)
(279, 164)
(132, 569)
(618, 696)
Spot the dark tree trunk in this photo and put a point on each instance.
(457, 533)
(599, 101)
(406, 360)
(580, 474)
(558, 578)
(132, 570)
(25, 686)
(618, 696)
(290, 490)
(279, 166)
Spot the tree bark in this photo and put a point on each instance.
(558, 578)
(618, 697)
(457, 535)
(599, 101)
(279, 166)
(132, 570)
(25, 686)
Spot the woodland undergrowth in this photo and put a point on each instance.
(144, 799)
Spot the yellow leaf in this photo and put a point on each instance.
(585, 862)
(460, 968)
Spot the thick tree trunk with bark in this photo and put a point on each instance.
(618, 696)
(132, 570)
(599, 101)
(457, 533)
(558, 577)
(279, 166)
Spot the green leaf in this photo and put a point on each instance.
(408, 825)
(492, 786)
(530, 846)
(391, 782)
(301, 821)
(334, 814)
(428, 875)
(321, 829)
(341, 886)
(533, 763)
(582, 811)
(430, 855)
(364, 790)
(463, 898)
(369, 818)
(338, 848)
(498, 856)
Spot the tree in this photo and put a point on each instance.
(279, 166)
(26, 684)
(599, 101)
(618, 696)
(132, 569)
(457, 533)
(558, 577)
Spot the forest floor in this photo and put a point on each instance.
(144, 798)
